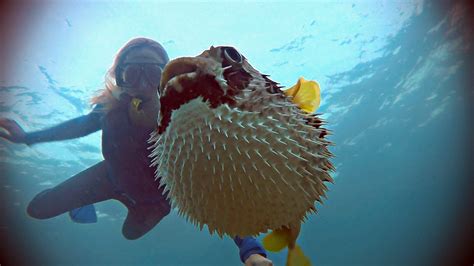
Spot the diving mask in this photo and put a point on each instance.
(129, 74)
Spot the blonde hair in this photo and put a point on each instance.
(105, 96)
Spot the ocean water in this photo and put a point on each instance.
(396, 81)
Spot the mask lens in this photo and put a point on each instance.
(153, 73)
(131, 74)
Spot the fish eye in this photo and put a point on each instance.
(232, 55)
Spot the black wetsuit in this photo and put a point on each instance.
(124, 175)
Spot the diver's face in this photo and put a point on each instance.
(141, 72)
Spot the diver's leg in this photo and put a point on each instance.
(87, 187)
(141, 218)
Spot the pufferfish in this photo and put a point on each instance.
(237, 153)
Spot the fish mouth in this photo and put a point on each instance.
(187, 78)
(174, 69)
(187, 69)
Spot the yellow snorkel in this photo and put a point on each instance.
(143, 113)
(135, 104)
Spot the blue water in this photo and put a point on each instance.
(396, 80)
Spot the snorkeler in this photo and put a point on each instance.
(126, 111)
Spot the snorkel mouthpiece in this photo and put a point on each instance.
(136, 102)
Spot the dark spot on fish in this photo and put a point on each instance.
(237, 80)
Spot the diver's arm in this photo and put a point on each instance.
(249, 246)
(74, 128)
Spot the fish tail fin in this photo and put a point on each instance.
(277, 240)
(296, 257)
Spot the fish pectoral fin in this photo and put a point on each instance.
(296, 257)
(277, 240)
(293, 90)
(306, 94)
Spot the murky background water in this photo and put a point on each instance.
(396, 92)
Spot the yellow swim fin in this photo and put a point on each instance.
(296, 257)
(276, 240)
(306, 94)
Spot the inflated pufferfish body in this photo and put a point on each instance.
(234, 152)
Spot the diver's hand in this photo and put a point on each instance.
(258, 260)
(10, 130)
